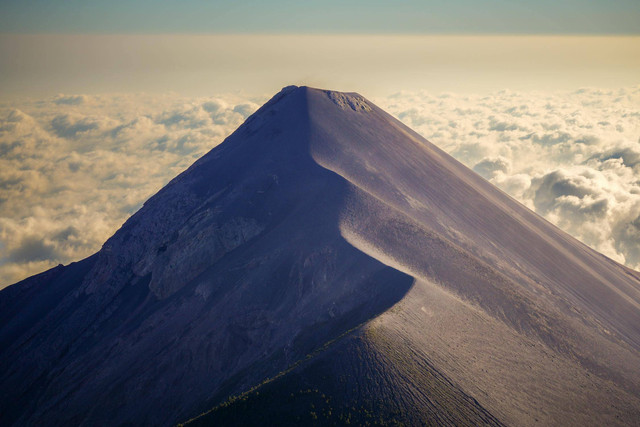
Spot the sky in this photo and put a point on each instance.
(102, 103)
(322, 16)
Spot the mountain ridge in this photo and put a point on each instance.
(323, 217)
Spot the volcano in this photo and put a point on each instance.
(326, 265)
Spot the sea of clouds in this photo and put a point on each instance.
(73, 168)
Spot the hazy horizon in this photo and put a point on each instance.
(201, 65)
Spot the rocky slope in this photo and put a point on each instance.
(326, 264)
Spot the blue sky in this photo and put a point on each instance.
(326, 16)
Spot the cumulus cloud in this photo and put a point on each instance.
(492, 166)
(573, 157)
(70, 99)
(74, 167)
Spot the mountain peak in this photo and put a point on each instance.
(326, 246)
(344, 100)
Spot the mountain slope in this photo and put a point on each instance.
(325, 246)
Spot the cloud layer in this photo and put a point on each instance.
(74, 167)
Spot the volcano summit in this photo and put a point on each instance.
(325, 264)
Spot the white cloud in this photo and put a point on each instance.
(74, 167)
